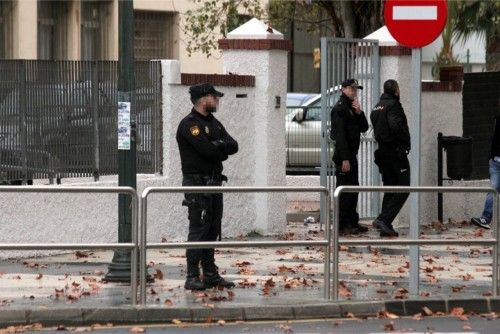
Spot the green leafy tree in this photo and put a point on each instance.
(445, 56)
(211, 19)
(482, 17)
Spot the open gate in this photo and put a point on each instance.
(342, 59)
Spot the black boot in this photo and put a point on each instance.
(193, 281)
(213, 279)
(358, 227)
(386, 230)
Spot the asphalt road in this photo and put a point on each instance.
(434, 325)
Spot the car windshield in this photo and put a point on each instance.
(293, 102)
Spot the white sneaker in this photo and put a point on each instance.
(481, 222)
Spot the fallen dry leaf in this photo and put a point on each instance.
(457, 289)
(137, 330)
(176, 321)
(168, 302)
(426, 311)
(285, 328)
(457, 311)
(467, 277)
(417, 316)
(386, 315)
(349, 315)
(344, 291)
(80, 254)
(389, 327)
(158, 275)
(39, 276)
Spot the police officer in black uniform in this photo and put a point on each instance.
(203, 144)
(393, 138)
(348, 122)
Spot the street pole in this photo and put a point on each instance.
(119, 269)
(415, 132)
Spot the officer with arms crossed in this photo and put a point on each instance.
(203, 144)
(348, 122)
(393, 137)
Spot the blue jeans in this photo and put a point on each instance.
(495, 183)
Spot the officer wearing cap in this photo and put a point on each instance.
(348, 122)
(203, 144)
(393, 137)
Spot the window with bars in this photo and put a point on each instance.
(93, 29)
(153, 35)
(6, 30)
(51, 29)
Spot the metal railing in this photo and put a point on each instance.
(144, 245)
(414, 275)
(132, 246)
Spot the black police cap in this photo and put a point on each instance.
(351, 83)
(203, 89)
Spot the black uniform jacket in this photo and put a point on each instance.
(203, 144)
(346, 129)
(390, 124)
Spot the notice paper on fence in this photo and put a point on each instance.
(124, 125)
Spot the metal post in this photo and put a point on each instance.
(23, 110)
(135, 255)
(324, 134)
(119, 269)
(335, 245)
(416, 59)
(440, 175)
(375, 203)
(143, 249)
(95, 118)
(328, 249)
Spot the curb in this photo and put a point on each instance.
(155, 314)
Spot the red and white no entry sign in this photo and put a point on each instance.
(415, 23)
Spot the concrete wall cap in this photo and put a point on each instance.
(255, 29)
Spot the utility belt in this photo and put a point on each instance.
(206, 179)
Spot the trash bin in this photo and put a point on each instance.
(458, 156)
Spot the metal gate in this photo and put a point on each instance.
(342, 59)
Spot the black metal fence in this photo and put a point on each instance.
(58, 119)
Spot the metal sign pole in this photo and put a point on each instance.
(415, 130)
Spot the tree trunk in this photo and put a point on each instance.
(348, 19)
(493, 54)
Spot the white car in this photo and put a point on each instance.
(303, 132)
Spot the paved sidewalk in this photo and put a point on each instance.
(271, 283)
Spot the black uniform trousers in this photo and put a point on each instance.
(395, 172)
(348, 202)
(205, 215)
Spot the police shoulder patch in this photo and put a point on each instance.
(195, 130)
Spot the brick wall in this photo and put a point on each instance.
(481, 102)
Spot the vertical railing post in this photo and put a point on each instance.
(95, 118)
(23, 107)
(335, 245)
(328, 248)
(324, 134)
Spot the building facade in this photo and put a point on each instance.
(88, 30)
